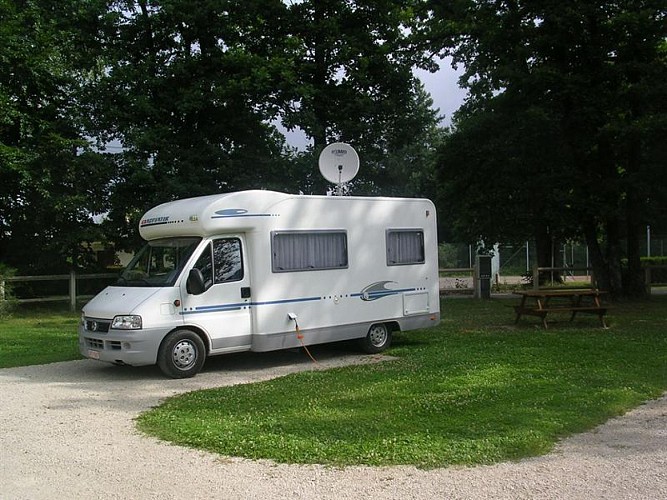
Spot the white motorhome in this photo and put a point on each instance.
(260, 271)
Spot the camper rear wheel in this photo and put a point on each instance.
(182, 354)
(377, 339)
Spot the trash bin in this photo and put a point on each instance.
(483, 277)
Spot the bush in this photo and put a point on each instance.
(451, 255)
(657, 275)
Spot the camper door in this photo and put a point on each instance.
(216, 295)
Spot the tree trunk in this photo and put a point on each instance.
(614, 259)
(544, 245)
(634, 285)
(600, 270)
(319, 129)
(606, 261)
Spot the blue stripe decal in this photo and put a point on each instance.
(229, 213)
(241, 305)
(285, 301)
(219, 306)
(383, 293)
(240, 215)
(222, 307)
(369, 295)
(154, 224)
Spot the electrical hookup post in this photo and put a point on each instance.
(483, 277)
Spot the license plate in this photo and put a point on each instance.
(93, 354)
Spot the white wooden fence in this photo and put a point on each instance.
(72, 278)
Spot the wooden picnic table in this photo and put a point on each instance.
(541, 302)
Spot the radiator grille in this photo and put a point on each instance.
(95, 344)
(97, 325)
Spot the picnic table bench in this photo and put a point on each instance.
(541, 302)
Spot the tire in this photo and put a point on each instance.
(377, 339)
(181, 354)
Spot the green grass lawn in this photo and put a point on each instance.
(475, 390)
(35, 335)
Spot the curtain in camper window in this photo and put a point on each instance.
(309, 251)
(405, 246)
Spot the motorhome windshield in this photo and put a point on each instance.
(158, 263)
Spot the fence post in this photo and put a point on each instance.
(536, 277)
(475, 278)
(72, 290)
(2, 290)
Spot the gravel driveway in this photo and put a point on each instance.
(67, 431)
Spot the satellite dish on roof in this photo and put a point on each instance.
(339, 163)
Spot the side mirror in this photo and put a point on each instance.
(195, 282)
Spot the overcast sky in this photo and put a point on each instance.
(443, 87)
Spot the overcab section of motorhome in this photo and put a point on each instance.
(261, 271)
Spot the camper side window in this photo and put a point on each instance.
(308, 250)
(221, 262)
(405, 246)
(227, 261)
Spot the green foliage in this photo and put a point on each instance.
(562, 121)
(449, 255)
(654, 261)
(352, 70)
(51, 182)
(190, 95)
(193, 95)
(657, 275)
(507, 158)
(351, 77)
(188, 92)
(474, 390)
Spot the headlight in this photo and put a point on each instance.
(126, 322)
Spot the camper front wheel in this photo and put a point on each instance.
(377, 339)
(182, 354)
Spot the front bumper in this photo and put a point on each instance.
(131, 347)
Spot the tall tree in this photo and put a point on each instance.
(51, 182)
(492, 170)
(190, 92)
(597, 70)
(352, 81)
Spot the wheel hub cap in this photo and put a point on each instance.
(378, 336)
(184, 354)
